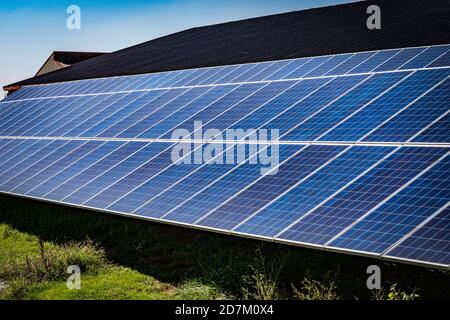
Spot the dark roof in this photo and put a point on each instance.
(327, 30)
(63, 59)
(72, 57)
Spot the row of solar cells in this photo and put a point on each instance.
(352, 63)
(379, 107)
(361, 198)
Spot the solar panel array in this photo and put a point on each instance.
(363, 147)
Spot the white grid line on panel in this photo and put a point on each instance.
(168, 149)
(192, 152)
(246, 135)
(244, 141)
(423, 50)
(336, 192)
(237, 83)
(53, 161)
(385, 61)
(83, 170)
(437, 57)
(30, 156)
(283, 193)
(406, 107)
(365, 105)
(327, 244)
(414, 230)
(213, 182)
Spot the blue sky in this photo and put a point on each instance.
(31, 30)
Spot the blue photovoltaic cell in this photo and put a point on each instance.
(219, 106)
(267, 72)
(430, 243)
(414, 119)
(154, 116)
(260, 67)
(19, 151)
(183, 78)
(84, 174)
(145, 152)
(171, 177)
(374, 61)
(134, 178)
(438, 132)
(152, 81)
(328, 65)
(248, 106)
(90, 119)
(56, 125)
(87, 160)
(7, 144)
(269, 187)
(46, 179)
(388, 223)
(40, 171)
(180, 185)
(193, 81)
(76, 124)
(373, 115)
(307, 67)
(443, 61)
(99, 85)
(25, 169)
(188, 111)
(7, 107)
(288, 99)
(10, 120)
(235, 73)
(426, 57)
(19, 107)
(287, 69)
(399, 59)
(362, 195)
(140, 114)
(119, 114)
(310, 193)
(362, 94)
(39, 122)
(219, 75)
(187, 202)
(294, 116)
(245, 106)
(350, 63)
(19, 124)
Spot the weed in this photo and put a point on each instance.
(394, 293)
(261, 284)
(195, 290)
(315, 290)
(52, 261)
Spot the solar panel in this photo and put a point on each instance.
(362, 154)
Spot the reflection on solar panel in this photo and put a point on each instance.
(363, 150)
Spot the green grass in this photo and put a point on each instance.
(112, 283)
(188, 264)
(33, 269)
